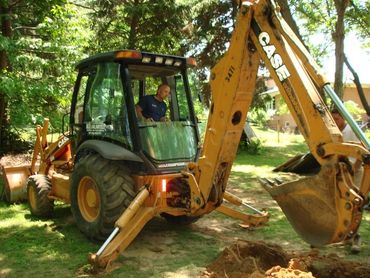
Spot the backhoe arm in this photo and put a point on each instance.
(328, 200)
(232, 85)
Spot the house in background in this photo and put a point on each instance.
(285, 122)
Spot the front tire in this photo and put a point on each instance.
(38, 188)
(100, 191)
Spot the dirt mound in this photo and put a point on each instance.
(16, 160)
(247, 259)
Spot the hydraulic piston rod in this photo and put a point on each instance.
(109, 246)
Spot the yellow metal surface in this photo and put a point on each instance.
(60, 187)
(130, 224)
(320, 207)
(232, 85)
(123, 239)
(248, 219)
(15, 182)
(296, 86)
(133, 208)
(32, 194)
(365, 183)
(88, 197)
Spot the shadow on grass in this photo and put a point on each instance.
(9, 211)
(32, 248)
(60, 213)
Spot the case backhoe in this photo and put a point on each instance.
(118, 173)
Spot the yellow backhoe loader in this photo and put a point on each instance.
(118, 172)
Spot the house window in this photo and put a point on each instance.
(271, 105)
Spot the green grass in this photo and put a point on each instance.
(32, 247)
(40, 247)
(274, 152)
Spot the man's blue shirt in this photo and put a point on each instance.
(152, 108)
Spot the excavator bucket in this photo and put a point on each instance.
(15, 179)
(312, 204)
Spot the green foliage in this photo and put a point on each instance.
(208, 34)
(317, 19)
(354, 109)
(42, 63)
(195, 86)
(146, 25)
(282, 107)
(358, 18)
(254, 146)
(258, 116)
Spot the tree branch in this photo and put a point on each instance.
(357, 82)
(83, 6)
(360, 22)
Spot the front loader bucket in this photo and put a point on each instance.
(15, 182)
(314, 206)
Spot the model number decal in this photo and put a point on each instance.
(275, 59)
(230, 73)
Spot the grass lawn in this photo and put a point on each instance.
(32, 247)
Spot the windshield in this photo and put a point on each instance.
(169, 141)
(164, 113)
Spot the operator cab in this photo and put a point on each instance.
(103, 114)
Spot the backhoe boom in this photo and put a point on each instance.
(328, 199)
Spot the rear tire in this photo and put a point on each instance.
(38, 188)
(101, 190)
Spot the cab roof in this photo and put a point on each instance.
(134, 57)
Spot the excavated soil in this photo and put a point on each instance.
(16, 160)
(254, 259)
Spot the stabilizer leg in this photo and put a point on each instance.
(248, 219)
(127, 228)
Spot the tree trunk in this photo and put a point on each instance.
(357, 82)
(287, 15)
(133, 27)
(340, 6)
(6, 31)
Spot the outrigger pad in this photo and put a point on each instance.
(309, 204)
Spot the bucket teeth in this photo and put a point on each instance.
(271, 182)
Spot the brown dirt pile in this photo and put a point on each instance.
(16, 160)
(247, 259)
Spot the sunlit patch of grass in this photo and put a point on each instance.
(275, 139)
(253, 171)
(274, 152)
